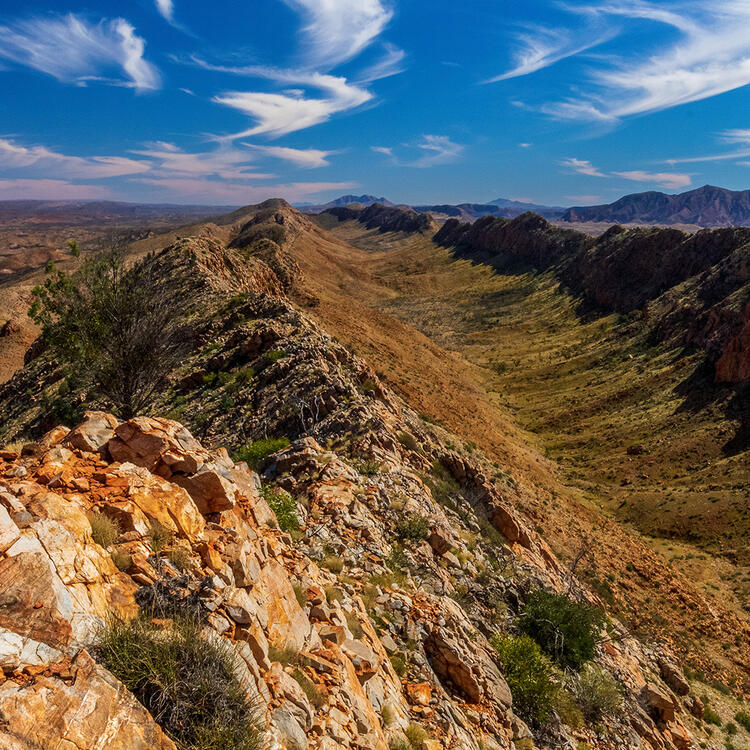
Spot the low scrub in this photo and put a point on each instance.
(528, 673)
(284, 507)
(597, 693)
(253, 453)
(187, 682)
(566, 630)
(413, 527)
(104, 530)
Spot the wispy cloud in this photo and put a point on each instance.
(166, 8)
(542, 47)
(75, 51)
(436, 150)
(671, 180)
(735, 137)
(50, 163)
(710, 56)
(582, 167)
(50, 190)
(204, 190)
(439, 149)
(280, 113)
(391, 64)
(167, 160)
(307, 158)
(335, 31)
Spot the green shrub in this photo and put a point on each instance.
(253, 453)
(597, 693)
(310, 689)
(188, 682)
(398, 743)
(413, 527)
(568, 709)
(387, 714)
(333, 563)
(285, 508)
(566, 630)
(275, 356)
(743, 719)
(408, 441)
(369, 467)
(528, 673)
(416, 734)
(104, 530)
(710, 716)
(399, 664)
(179, 557)
(159, 536)
(730, 728)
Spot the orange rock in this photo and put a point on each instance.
(418, 693)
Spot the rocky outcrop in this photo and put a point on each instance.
(386, 218)
(256, 589)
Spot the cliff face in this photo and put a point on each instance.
(707, 206)
(349, 629)
(692, 288)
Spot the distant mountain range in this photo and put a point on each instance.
(707, 206)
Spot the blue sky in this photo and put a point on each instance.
(229, 102)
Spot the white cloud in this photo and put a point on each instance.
(741, 137)
(50, 190)
(436, 149)
(203, 190)
(54, 164)
(167, 160)
(75, 51)
(664, 179)
(524, 145)
(308, 158)
(582, 167)
(439, 149)
(710, 56)
(543, 47)
(166, 8)
(669, 180)
(390, 64)
(278, 114)
(338, 30)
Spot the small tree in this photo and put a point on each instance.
(112, 325)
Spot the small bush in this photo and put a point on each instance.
(369, 467)
(275, 356)
(408, 441)
(188, 683)
(387, 714)
(566, 630)
(528, 673)
(104, 530)
(399, 664)
(710, 716)
(310, 689)
(333, 563)
(597, 692)
(284, 507)
(333, 594)
(122, 560)
(284, 656)
(416, 734)
(568, 709)
(743, 719)
(253, 453)
(730, 728)
(179, 557)
(398, 743)
(159, 536)
(413, 527)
